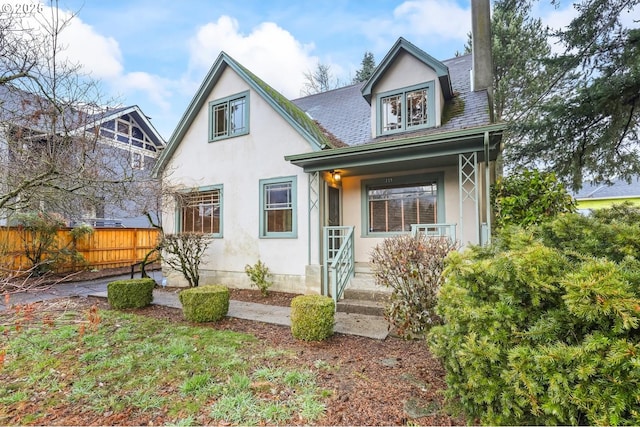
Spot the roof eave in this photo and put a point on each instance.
(444, 136)
(402, 44)
(143, 120)
(198, 100)
(441, 144)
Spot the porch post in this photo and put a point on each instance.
(468, 182)
(487, 179)
(314, 219)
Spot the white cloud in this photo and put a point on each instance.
(558, 19)
(434, 18)
(99, 55)
(77, 42)
(269, 51)
(156, 88)
(439, 27)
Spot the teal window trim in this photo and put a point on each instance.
(292, 203)
(224, 107)
(401, 94)
(401, 180)
(178, 211)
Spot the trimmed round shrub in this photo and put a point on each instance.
(205, 303)
(312, 317)
(132, 293)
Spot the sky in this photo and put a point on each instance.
(155, 53)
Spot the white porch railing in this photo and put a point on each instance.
(339, 260)
(435, 230)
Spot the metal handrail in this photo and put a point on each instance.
(339, 262)
(343, 266)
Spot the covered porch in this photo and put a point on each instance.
(438, 185)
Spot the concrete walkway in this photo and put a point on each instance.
(351, 324)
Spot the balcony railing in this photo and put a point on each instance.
(435, 230)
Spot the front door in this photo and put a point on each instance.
(333, 237)
(333, 207)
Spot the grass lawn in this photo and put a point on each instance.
(143, 368)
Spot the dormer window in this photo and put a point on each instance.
(407, 109)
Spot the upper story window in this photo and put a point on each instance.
(125, 130)
(229, 117)
(408, 109)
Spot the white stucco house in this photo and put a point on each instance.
(309, 186)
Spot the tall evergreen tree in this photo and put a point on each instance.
(576, 113)
(587, 123)
(367, 69)
(520, 49)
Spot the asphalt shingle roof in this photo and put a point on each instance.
(346, 114)
(343, 112)
(618, 188)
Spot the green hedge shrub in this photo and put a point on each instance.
(536, 334)
(312, 317)
(133, 293)
(609, 233)
(205, 303)
(528, 197)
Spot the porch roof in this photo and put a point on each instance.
(413, 152)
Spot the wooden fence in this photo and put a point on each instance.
(104, 248)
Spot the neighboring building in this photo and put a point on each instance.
(124, 137)
(598, 196)
(310, 186)
(129, 130)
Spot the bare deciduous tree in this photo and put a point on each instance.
(320, 80)
(51, 156)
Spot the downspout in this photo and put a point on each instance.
(487, 178)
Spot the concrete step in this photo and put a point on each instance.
(364, 282)
(362, 268)
(354, 306)
(373, 295)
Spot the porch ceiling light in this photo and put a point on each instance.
(335, 175)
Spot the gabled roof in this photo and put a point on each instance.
(346, 114)
(403, 45)
(300, 121)
(141, 119)
(30, 111)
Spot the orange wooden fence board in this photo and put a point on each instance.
(104, 248)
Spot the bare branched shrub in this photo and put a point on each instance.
(412, 267)
(183, 252)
